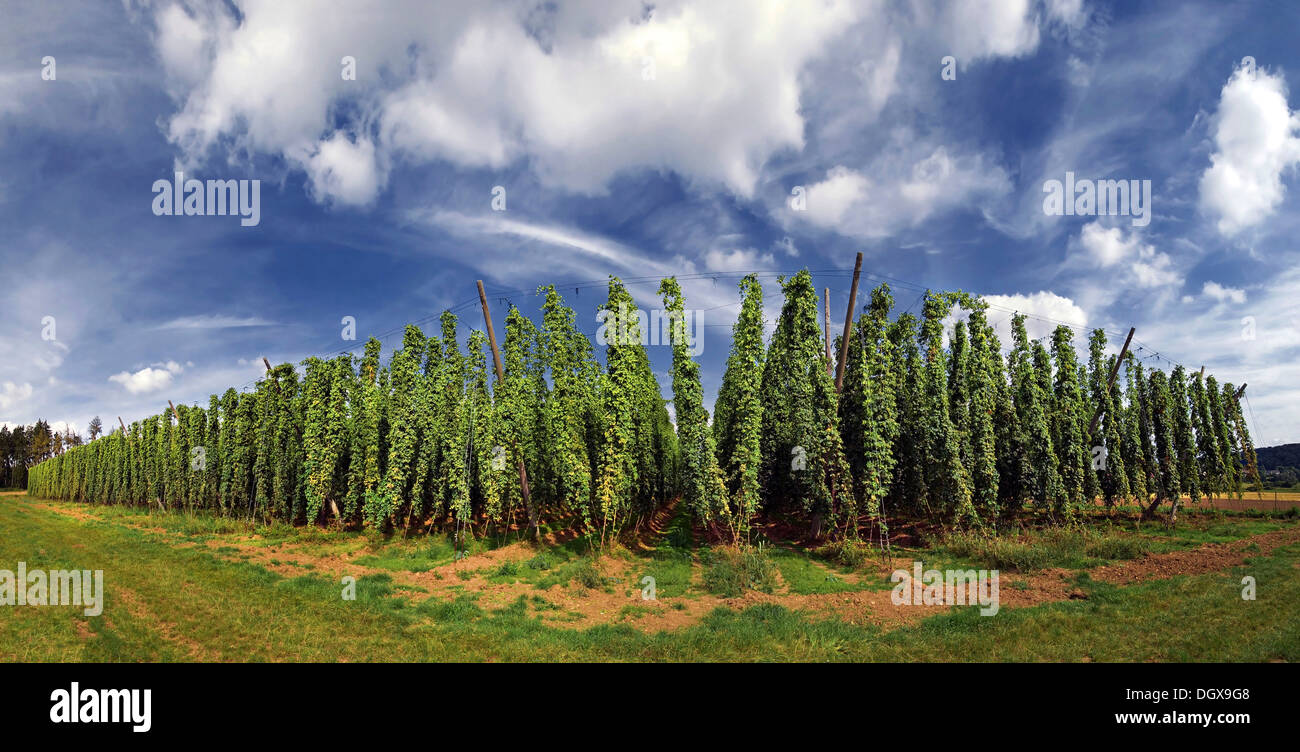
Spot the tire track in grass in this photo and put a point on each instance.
(169, 632)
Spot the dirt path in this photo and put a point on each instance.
(579, 607)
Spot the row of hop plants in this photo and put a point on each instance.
(930, 424)
(428, 438)
(965, 436)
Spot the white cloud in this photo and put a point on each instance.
(525, 251)
(63, 426)
(978, 29)
(1262, 350)
(900, 189)
(147, 379)
(213, 321)
(738, 260)
(592, 247)
(1256, 138)
(50, 355)
(12, 394)
(1070, 13)
(345, 170)
(184, 42)
(1222, 293)
(489, 84)
(1106, 248)
(880, 77)
(1043, 309)
(1154, 269)
(830, 200)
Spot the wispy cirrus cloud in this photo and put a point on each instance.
(214, 321)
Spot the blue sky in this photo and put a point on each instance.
(640, 141)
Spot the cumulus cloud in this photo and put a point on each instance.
(584, 91)
(1256, 139)
(738, 260)
(1222, 294)
(1043, 309)
(580, 91)
(1107, 248)
(900, 189)
(986, 28)
(148, 379)
(345, 170)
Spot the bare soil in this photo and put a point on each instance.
(578, 607)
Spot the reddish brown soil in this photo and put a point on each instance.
(578, 607)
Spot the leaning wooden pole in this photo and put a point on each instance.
(501, 377)
(123, 425)
(826, 326)
(1259, 482)
(848, 325)
(1110, 381)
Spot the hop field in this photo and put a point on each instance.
(199, 587)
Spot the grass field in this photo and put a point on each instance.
(181, 588)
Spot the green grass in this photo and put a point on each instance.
(806, 576)
(729, 572)
(418, 557)
(1068, 547)
(194, 603)
(562, 573)
(671, 564)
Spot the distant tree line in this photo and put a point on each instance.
(930, 424)
(1280, 465)
(24, 446)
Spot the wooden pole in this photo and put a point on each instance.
(826, 325)
(1110, 381)
(274, 381)
(848, 325)
(501, 377)
(175, 414)
(1255, 465)
(120, 423)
